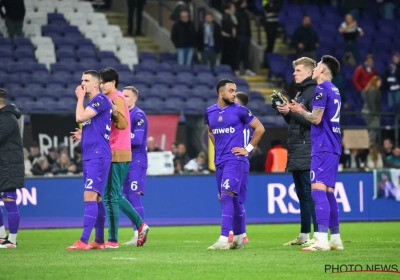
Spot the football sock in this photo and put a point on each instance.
(89, 220)
(322, 213)
(334, 217)
(136, 202)
(3, 233)
(227, 214)
(99, 225)
(13, 219)
(239, 223)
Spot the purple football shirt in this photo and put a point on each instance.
(139, 128)
(229, 126)
(96, 131)
(326, 136)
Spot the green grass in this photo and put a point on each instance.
(179, 253)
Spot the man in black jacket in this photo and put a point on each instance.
(14, 16)
(12, 169)
(183, 35)
(209, 40)
(135, 5)
(299, 148)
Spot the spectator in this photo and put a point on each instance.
(374, 158)
(151, 145)
(352, 159)
(185, 5)
(41, 167)
(27, 163)
(392, 82)
(63, 165)
(14, 16)
(387, 8)
(364, 74)
(135, 5)
(34, 151)
(174, 148)
(77, 160)
(52, 157)
(354, 7)
(209, 40)
(387, 147)
(271, 23)
(257, 160)
(350, 31)
(305, 39)
(181, 158)
(372, 107)
(276, 158)
(395, 156)
(243, 34)
(197, 165)
(183, 36)
(229, 38)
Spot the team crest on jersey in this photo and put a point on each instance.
(140, 122)
(220, 118)
(318, 96)
(96, 104)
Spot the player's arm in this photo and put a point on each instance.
(119, 119)
(138, 124)
(211, 135)
(83, 114)
(259, 130)
(314, 117)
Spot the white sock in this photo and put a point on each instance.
(244, 235)
(3, 233)
(323, 238)
(231, 232)
(316, 235)
(136, 233)
(335, 238)
(223, 238)
(13, 238)
(236, 238)
(304, 236)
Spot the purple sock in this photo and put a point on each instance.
(334, 216)
(322, 210)
(89, 219)
(135, 200)
(99, 225)
(227, 214)
(13, 216)
(1, 219)
(239, 222)
(243, 225)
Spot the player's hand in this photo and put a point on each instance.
(77, 134)
(239, 151)
(296, 107)
(283, 109)
(219, 196)
(80, 91)
(114, 109)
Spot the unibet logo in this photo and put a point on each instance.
(223, 130)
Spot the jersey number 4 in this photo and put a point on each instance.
(225, 184)
(336, 117)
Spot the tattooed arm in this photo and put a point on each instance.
(315, 117)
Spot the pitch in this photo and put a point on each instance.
(180, 253)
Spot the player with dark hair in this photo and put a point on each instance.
(227, 122)
(96, 155)
(11, 169)
(242, 98)
(120, 141)
(326, 144)
(135, 183)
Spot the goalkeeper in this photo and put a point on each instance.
(299, 147)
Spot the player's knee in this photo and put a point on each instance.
(318, 186)
(8, 199)
(90, 196)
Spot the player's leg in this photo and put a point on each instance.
(134, 188)
(305, 216)
(3, 234)
(9, 199)
(335, 241)
(93, 186)
(129, 211)
(229, 188)
(319, 176)
(306, 183)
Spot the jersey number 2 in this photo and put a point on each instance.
(336, 117)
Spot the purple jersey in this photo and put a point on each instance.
(326, 137)
(229, 127)
(96, 131)
(139, 127)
